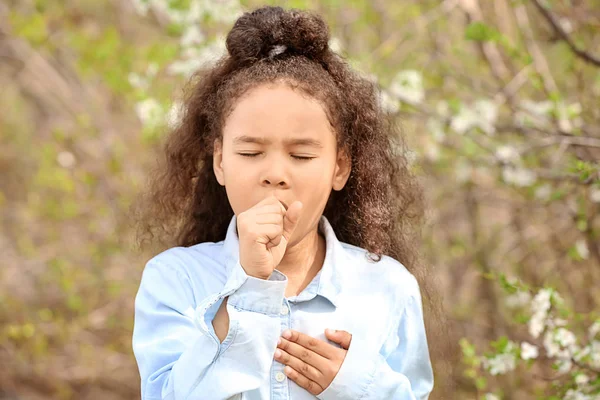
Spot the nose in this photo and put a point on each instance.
(275, 174)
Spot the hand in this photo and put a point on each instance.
(310, 362)
(264, 232)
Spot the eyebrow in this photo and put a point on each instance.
(287, 142)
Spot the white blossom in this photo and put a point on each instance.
(566, 24)
(540, 305)
(594, 353)
(388, 103)
(534, 112)
(141, 6)
(594, 329)
(555, 322)
(582, 379)
(573, 394)
(539, 113)
(192, 36)
(150, 112)
(595, 194)
(226, 11)
(464, 120)
(411, 156)
(518, 176)
(151, 70)
(536, 325)
(564, 365)
(463, 172)
(407, 86)
(565, 338)
(137, 81)
(436, 128)
(174, 114)
(541, 108)
(507, 154)
(488, 110)
(589, 354)
(528, 351)
(490, 396)
(482, 114)
(66, 159)
(518, 299)
(335, 44)
(543, 192)
(500, 364)
(582, 248)
(195, 58)
(432, 151)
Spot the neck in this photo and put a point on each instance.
(304, 258)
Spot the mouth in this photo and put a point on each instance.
(284, 204)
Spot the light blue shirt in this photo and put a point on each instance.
(180, 357)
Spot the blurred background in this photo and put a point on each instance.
(499, 101)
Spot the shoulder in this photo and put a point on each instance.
(194, 263)
(389, 273)
(186, 257)
(193, 272)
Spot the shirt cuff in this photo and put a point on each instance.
(355, 375)
(263, 296)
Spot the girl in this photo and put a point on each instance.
(291, 207)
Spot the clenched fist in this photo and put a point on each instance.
(264, 232)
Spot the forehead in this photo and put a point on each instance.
(278, 112)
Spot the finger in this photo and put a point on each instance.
(302, 353)
(264, 219)
(342, 338)
(320, 347)
(270, 209)
(302, 381)
(269, 201)
(290, 220)
(298, 365)
(269, 233)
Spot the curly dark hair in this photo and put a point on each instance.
(381, 207)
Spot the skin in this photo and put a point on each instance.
(278, 146)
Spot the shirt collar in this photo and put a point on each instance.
(329, 278)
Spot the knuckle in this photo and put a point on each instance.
(311, 387)
(305, 354)
(304, 369)
(312, 342)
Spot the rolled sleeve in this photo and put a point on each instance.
(259, 295)
(177, 360)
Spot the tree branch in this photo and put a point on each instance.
(589, 58)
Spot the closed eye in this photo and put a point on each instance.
(293, 156)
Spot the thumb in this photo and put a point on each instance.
(290, 221)
(342, 338)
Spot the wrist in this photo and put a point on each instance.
(257, 275)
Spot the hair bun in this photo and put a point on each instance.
(256, 34)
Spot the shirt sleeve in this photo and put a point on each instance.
(406, 374)
(179, 357)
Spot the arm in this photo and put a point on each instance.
(221, 321)
(406, 374)
(179, 357)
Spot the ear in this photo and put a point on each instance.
(343, 166)
(218, 161)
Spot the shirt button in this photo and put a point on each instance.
(280, 376)
(284, 310)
